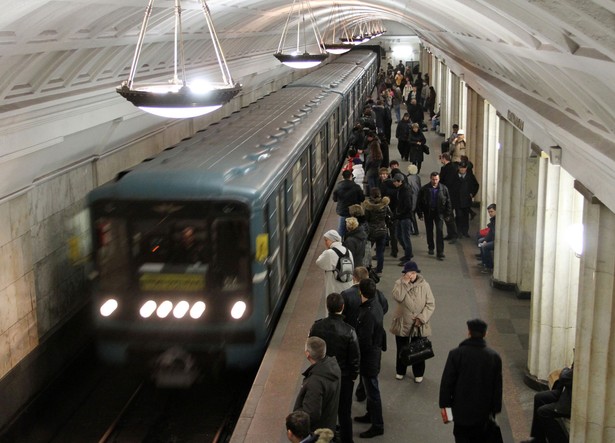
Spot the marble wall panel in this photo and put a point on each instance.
(8, 313)
(6, 264)
(19, 341)
(5, 223)
(20, 215)
(5, 354)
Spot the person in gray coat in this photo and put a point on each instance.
(320, 392)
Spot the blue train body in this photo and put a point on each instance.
(198, 247)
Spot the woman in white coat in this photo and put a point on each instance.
(415, 305)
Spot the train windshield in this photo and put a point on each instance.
(172, 246)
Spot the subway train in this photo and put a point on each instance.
(197, 248)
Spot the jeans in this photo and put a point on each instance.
(404, 231)
(374, 402)
(486, 255)
(380, 242)
(341, 228)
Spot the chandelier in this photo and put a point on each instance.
(298, 59)
(177, 98)
(333, 46)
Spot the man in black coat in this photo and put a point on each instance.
(434, 205)
(346, 194)
(472, 385)
(320, 392)
(343, 344)
(448, 174)
(371, 340)
(464, 188)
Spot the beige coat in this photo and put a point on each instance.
(414, 300)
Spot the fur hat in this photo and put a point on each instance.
(412, 169)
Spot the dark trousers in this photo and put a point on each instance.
(469, 434)
(433, 219)
(380, 253)
(418, 370)
(462, 220)
(344, 410)
(544, 422)
(374, 402)
(393, 236)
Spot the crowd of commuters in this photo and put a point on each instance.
(378, 206)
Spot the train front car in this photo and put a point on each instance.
(172, 273)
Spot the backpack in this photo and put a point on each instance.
(344, 267)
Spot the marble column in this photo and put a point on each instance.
(445, 101)
(487, 162)
(475, 130)
(556, 270)
(517, 181)
(593, 409)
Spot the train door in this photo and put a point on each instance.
(318, 171)
(275, 270)
(296, 210)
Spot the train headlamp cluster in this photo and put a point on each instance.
(166, 308)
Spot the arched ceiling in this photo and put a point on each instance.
(554, 56)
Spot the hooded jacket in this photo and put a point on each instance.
(347, 193)
(320, 393)
(376, 210)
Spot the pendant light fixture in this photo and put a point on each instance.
(177, 98)
(331, 44)
(297, 59)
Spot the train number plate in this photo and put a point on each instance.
(171, 282)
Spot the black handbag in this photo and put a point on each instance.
(373, 275)
(416, 351)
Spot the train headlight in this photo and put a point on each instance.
(239, 308)
(164, 309)
(197, 310)
(180, 309)
(108, 307)
(148, 308)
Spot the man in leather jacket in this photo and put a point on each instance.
(343, 344)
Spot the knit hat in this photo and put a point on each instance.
(398, 178)
(410, 266)
(333, 236)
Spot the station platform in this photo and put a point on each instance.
(411, 412)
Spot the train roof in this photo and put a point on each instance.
(340, 74)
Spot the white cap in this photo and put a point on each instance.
(461, 132)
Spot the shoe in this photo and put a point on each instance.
(486, 271)
(448, 237)
(401, 263)
(363, 419)
(452, 241)
(371, 432)
(430, 252)
(394, 254)
(418, 379)
(399, 376)
(440, 257)
(466, 235)
(404, 258)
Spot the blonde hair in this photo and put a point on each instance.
(412, 169)
(352, 223)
